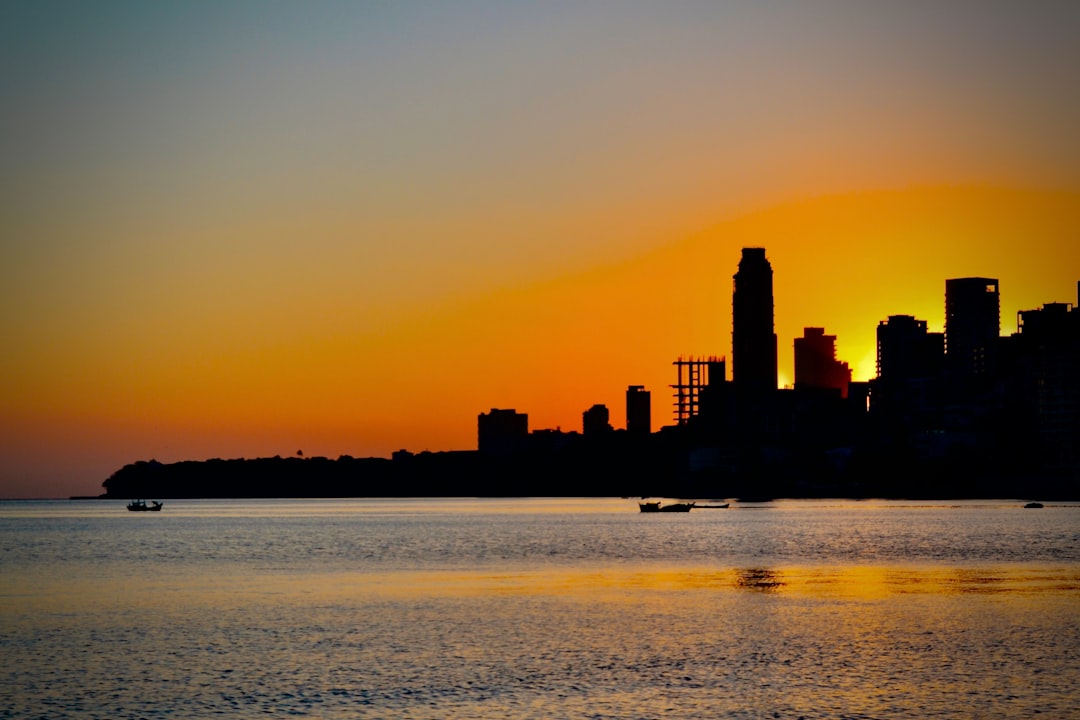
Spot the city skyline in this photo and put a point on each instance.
(242, 230)
(905, 347)
(658, 382)
(964, 413)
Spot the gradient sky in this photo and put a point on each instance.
(246, 228)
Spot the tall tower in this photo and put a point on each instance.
(753, 340)
(972, 327)
(638, 410)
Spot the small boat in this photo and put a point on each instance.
(1032, 505)
(725, 506)
(141, 506)
(650, 507)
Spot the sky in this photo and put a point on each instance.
(243, 229)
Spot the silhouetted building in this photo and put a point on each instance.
(502, 432)
(972, 329)
(638, 410)
(905, 349)
(753, 341)
(694, 377)
(816, 365)
(1044, 379)
(910, 361)
(595, 421)
(906, 433)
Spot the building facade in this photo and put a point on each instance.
(753, 338)
(638, 410)
(816, 365)
(910, 363)
(502, 432)
(906, 350)
(972, 328)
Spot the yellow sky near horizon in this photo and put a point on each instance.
(551, 347)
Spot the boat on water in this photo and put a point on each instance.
(723, 506)
(1033, 505)
(658, 506)
(141, 506)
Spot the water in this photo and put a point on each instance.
(538, 609)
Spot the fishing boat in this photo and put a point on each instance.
(141, 506)
(649, 507)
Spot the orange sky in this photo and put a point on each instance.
(254, 230)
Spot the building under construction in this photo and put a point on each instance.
(693, 377)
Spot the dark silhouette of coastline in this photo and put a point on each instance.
(962, 414)
(570, 466)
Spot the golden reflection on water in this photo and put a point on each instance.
(847, 582)
(52, 594)
(419, 609)
(640, 640)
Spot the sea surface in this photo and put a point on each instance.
(539, 608)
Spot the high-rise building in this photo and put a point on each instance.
(972, 328)
(906, 351)
(638, 410)
(502, 432)
(816, 365)
(753, 340)
(596, 421)
(909, 368)
(1046, 354)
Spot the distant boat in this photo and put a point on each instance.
(725, 506)
(1034, 505)
(141, 506)
(650, 507)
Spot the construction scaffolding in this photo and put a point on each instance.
(693, 375)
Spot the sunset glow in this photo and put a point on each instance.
(351, 228)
